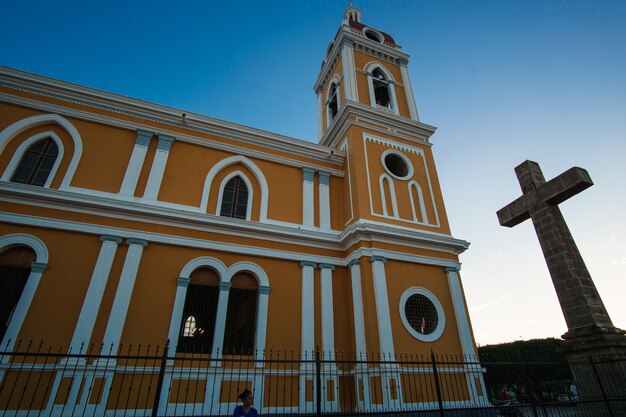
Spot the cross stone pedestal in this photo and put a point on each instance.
(590, 331)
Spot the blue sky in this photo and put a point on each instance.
(503, 81)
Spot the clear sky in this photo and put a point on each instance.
(504, 81)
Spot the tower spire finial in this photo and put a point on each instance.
(352, 13)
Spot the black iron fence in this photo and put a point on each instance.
(145, 381)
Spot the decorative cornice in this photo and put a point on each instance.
(352, 112)
(327, 266)
(127, 106)
(308, 174)
(309, 264)
(165, 142)
(143, 137)
(324, 177)
(378, 258)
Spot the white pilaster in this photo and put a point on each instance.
(321, 109)
(382, 306)
(220, 320)
(136, 162)
(349, 72)
(19, 314)
(308, 308)
(307, 369)
(308, 207)
(177, 313)
(408, 89)
(324, 199)
(328, 320)
(259, 342)
(357, 305)
(113, 332)
(465, 334)
(158, 167)
(91, 303)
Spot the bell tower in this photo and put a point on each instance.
(366, 66)
(367, 108)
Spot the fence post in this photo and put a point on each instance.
(437, 386)
(602, 391)
(318, 383)
(159, 387)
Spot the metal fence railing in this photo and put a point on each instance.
(145, 381)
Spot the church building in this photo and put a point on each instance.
(128, 223)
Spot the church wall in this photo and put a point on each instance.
(400, 277)
(144, 173)
(285, 192)
(343, 311)
(369, 307)
(56, 305)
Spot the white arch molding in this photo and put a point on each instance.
(32, 282)
(248, 164)
(334, 80)
(413, 185)
(384, 178)
(30, 122)
(226, 274)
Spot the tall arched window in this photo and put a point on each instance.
(381, 88)
(333, 102)
(241, 315)
(36, 164)
(198, 323)
(15, 265)
(235, 199)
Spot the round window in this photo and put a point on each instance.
(397, 165)
(422, 314)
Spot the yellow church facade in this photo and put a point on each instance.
(127, 223)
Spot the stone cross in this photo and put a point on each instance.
(582, 307)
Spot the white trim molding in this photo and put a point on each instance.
(31, 122)
(441, 318)
(137, 158)
(248, 164)
(386, 179)
(158, 167)
(30, 288)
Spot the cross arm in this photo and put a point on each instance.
(566, 185)
(514, 213)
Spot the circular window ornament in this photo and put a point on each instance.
(422, 314)
(397, 165)
(373, 35)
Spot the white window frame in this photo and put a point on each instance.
(406, 160)
(334, 80)
(441, 323)
(24, 147)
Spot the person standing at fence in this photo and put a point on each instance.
(246, 410)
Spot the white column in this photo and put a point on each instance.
(308, 308)
(220, 320)
(408, 90)
(177, 313)
(113, 332)
(328, 321)
(324, 194)
(19, 314)
(91, 303)
(308, 207)
(136, 162)
(349, 71)
(158, 167)
(465, 334)
(382, 306)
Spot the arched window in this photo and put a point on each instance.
(15, 265)
(333, 103)
(235, 199)
(198, 323)
(36, 164)
(381, 89)
(241, 316)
